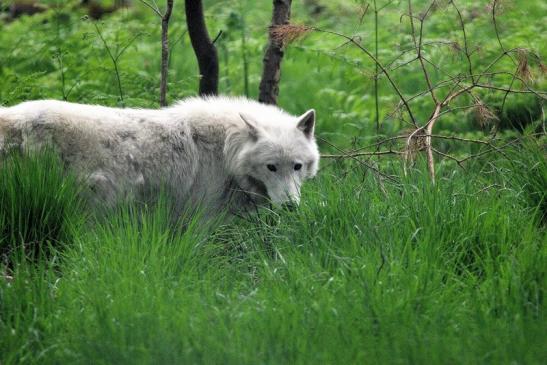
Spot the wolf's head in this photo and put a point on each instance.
(275, 157)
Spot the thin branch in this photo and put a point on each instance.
(497, 149)
(401, 65)
(465, 43)
(496, 30)
(418, 45)
(539, 94)
(376, 96)
(376, 170)
(371, 56)
(154, 9)
(379, 143)
(509, 90)
(454, 138)
(386, 5)
(114, 61)
(219, 34)
(413, 48)
(445, 155)
(497, 59)
(360, 154)
(363, 13)
(127, 45)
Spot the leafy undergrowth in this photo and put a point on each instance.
(411, 273)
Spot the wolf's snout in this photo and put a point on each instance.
(289, 201)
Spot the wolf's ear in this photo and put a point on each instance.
(306, 123)
(252, 126)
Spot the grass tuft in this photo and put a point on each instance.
(39, 203)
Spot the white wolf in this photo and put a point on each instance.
(221, 152)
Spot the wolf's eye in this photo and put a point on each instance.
(271, 167)
(297, 166)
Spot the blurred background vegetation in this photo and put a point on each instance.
(59, 54)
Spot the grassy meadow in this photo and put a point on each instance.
(368, 270)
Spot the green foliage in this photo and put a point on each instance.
(59, 54)
(520, 112)
(39, 203)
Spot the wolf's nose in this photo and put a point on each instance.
(290, 206)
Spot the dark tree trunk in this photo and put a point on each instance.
(271, 73)
(204, 48)
(165, 52)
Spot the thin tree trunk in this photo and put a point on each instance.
(204, 48)
(244, 57)
(376, 75)
(271, 73)
(165, 52)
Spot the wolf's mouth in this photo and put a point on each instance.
(258, 187)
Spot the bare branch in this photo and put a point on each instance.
(360, 154)
(493, 149)
(465, 42)
(418, 45)
(154, 9)
(375, 60)
(494, 21)
(114, 59)
(422, 137)
(446, 155)
(376, 170)
(539, 94)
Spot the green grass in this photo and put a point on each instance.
(452, 273)
(39, 202)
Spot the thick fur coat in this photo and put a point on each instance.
(219, 152)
